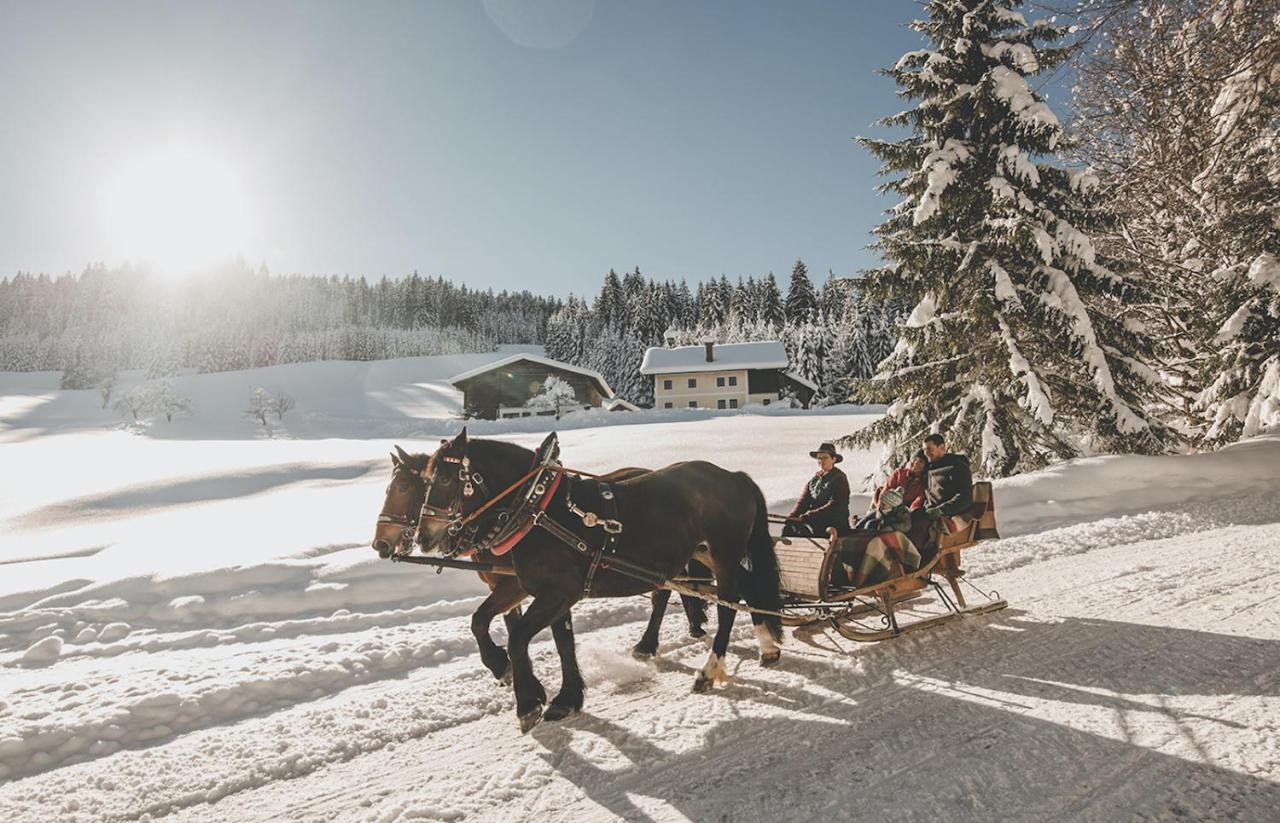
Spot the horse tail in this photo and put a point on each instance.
(761, 586)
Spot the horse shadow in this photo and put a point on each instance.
(1080, 718)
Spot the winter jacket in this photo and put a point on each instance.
(912, 487)
(825, 501)
(949, 485)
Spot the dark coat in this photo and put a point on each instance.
(825, 501)
(949, 485)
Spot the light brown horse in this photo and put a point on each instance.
(398, 521)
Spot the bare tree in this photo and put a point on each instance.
(136, 402)
(259, 408)
(280, 404)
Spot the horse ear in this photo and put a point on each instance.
(395, 461)
(404, 456)
(461, 439)
(550, 448)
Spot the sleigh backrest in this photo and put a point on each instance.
(983, 510)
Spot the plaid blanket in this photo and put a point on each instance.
(982, 497)
(870, 559)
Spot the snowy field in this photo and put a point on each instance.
(193, 627)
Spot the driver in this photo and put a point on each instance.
(825, 500)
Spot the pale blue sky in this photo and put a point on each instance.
(688, 138)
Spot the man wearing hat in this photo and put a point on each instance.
(825, 501)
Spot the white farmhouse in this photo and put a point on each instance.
(722, 376)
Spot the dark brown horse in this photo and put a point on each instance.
(395, 531)
(572, 537)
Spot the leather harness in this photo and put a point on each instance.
(534, 493)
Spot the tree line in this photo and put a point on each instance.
(235, 317)
(832, 336)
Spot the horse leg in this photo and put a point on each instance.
(530, 696)
(695, 608)
(506, 593)
(727, 589)
(569, 700)
(713, 670)
(648, 645)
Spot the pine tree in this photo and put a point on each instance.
(802, 302)
(611, 305)
(1017, 347)
(1176, 109)
(1239, 187)
(771, 311)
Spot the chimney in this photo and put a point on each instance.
(710, 344)
(670, 336)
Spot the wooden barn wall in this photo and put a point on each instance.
(514, 384)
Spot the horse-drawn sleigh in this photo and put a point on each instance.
(530, 526)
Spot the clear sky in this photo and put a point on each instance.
(501, 144)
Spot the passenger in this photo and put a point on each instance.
(825, 501)
(908, 479)
(948, 494)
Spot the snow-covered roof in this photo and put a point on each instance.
(618, 403)
(763, 354)
(544, 361)
(809, 384)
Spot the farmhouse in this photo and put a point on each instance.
(722, 376)
(514, 387)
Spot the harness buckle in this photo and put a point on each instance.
(468, 489)
(610, 526)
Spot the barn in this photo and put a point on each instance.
(506, 388)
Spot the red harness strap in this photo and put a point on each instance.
(519, 534)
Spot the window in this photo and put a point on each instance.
(666, 384)
(720, 404)
(733, 402)
(666, 405)
(733, 380)
(720, 382)
(693, 404)
(766, 401)
(693, 382)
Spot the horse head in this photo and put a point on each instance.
(462, 477)
(398, 520)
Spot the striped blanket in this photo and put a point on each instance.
(870, 559)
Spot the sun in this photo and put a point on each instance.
(179, 206)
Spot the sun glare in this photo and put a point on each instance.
(178, 208)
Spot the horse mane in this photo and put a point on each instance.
(500, 450)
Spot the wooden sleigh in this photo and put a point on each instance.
(816, 586)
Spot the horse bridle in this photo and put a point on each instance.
(408, 523)
(464, 528)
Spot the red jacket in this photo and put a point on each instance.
(912, 487)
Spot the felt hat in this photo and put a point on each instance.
(829, 448)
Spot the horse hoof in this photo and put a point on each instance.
(557, 712)
(640, 653)
(530, 719)
(697, 632)
(702, 684)
(770, 660)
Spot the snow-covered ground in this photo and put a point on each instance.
(192, 626)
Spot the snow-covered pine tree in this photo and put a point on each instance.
(802, 301)
(1239, 189)
(771, 312)
(611, 305)
(1176, 109)
(1017, 347)
(712, 308)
